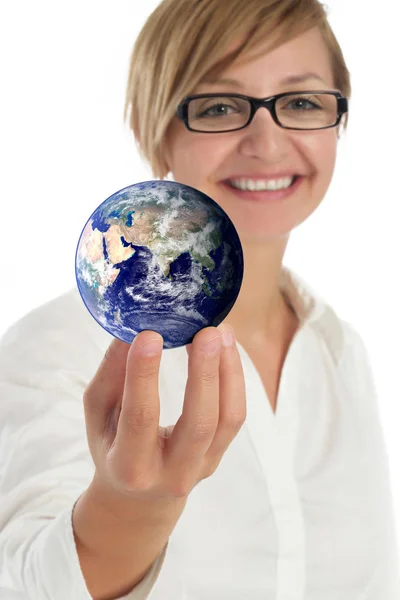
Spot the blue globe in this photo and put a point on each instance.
(162, 256)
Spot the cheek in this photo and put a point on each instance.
(327, 160)
(198, 159)
(321, 151)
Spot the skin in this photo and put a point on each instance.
(260, 316)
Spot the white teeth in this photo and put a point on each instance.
(252, 185)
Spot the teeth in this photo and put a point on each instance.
(249, 184)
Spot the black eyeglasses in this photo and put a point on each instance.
(216, 113)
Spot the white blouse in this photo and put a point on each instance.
(300, 507)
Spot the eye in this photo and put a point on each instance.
(216, 110)
(304, 102)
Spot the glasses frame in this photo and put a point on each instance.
(268, 103)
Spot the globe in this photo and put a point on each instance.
(161, 256)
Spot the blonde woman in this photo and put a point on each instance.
(271, 481)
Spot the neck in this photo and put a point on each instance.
(260, 310)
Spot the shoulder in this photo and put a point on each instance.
(338, 336)
(355, 362)
(351, 371)
(56, 314)
(354, 350)
(60, 332)
(344, 342)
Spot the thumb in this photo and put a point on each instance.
(105, 389)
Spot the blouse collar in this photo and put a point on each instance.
(312, 310)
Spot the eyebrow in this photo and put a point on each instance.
(292, 79)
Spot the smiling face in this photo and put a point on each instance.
(205, 161)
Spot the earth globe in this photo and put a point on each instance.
(161, 256)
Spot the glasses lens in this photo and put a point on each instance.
(307, 111)
(220, 113)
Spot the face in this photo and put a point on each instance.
(205, 161)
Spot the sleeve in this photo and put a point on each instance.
(357, 368)
(46, 360)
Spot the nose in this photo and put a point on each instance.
(263, 136)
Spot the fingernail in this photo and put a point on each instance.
(213, 345)
(228, 338)
(152, 347)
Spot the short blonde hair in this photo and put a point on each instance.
(186, 41)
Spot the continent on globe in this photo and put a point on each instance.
(159, 255)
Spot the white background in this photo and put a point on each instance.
(64, 149)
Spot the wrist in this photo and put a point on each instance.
(127, 509)
(110, 526)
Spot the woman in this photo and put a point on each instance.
(273, 483)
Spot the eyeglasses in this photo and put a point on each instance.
(216, 113)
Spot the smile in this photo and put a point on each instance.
(266, 190)
(259, 184)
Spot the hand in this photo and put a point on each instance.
(133, 457)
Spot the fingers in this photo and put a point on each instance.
(214, 410)
(196, 427)
(232, 402)
(105, 389)
(136, 438)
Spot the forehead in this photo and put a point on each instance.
(266, 70)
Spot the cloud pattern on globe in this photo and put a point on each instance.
(161, 256)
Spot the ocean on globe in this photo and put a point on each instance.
(161, 256)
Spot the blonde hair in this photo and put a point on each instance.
(186, 41)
